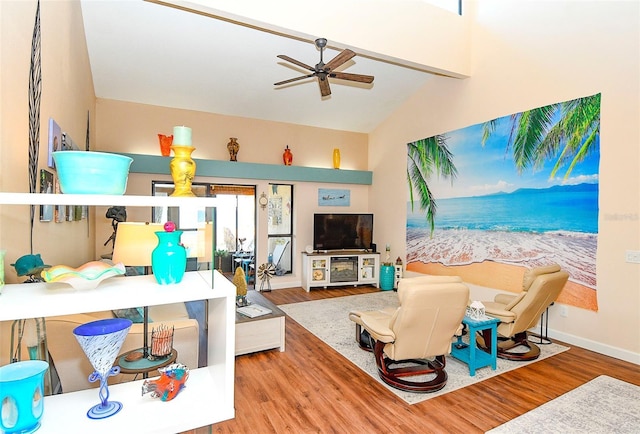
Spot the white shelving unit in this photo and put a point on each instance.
(321, 269)
(209, 395)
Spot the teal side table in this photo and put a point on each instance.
(471, 354)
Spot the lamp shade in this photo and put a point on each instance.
(205, 243)
(134, 243)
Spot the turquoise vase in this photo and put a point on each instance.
(22, 396)
(386, 277)
(169, 258)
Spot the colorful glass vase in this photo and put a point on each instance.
(287, 157)
(387, 274)
(336, 158)
(101, 341)
(183, 170)
(165, 144)
(169, 258)
(22, 396)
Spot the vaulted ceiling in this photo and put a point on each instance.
(159, 55)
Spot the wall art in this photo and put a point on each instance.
(55, 141)
(509, 194)
(46, 186)
(334, 197)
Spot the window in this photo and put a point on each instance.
(235, 221)
(280, 227)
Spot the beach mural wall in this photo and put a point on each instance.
(490, 200)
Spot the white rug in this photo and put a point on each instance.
(603, 405)
(328, 319)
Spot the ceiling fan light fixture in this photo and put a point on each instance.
(323, 71)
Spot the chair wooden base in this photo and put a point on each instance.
(393, 376)
(507, 344)
(364, 339)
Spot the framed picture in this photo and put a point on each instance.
(334, 197)
(55, 141)
(46, 186)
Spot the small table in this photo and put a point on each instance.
(143, 365)
(470, 353)
(263, 332)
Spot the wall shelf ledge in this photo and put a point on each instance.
(235, 169)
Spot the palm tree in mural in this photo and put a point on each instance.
(535, 137)
(428, 157)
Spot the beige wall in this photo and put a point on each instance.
(67, 96)
(525, 55)
(134, 128)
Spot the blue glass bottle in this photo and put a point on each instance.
(169, 258)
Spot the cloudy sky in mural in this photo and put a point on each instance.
(490, 168)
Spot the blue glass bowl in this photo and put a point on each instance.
(89, 172)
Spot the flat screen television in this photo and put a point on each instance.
(342, 231)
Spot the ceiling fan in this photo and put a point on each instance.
(325, 70)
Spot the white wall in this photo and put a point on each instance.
(528, 54)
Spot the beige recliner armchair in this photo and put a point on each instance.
(414, 338)
(520, 312)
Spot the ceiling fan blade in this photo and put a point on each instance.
(325, 90)
(295, 62)
(341, 58)
(291, 80)
(352, 77)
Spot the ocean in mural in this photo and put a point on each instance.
(527, 227)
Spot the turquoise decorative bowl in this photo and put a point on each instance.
(89, 172)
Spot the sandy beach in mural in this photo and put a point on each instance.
(498, 259)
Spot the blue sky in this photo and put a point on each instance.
(490, 169)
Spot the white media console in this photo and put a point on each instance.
(340, 268)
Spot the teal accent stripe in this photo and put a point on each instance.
(235, 169)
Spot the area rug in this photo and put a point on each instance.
(603, 405)
(328, 319)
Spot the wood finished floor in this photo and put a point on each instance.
(310, 388)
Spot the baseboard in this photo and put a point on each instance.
(598, 347)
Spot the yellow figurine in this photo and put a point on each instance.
(240, 281)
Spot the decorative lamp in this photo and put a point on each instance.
(133, 246)
(205, 243)
(476, 310)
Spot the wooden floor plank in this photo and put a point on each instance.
(310, 388)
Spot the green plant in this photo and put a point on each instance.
(221, 254)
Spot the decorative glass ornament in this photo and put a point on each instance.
(22, 396)
(101, 341)
(287, 157)
(336, 158)
(165, 144)
(169, 258)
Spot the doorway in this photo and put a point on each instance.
(235, 218)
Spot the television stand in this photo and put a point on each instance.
(340, 268)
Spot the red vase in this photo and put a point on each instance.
(287, 157)
(165, 144)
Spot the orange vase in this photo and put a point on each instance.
(287, 157)
(165, 144)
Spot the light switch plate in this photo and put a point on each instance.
(632, 256)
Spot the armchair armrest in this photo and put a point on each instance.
(377, 324)
(496, 310)
(504, 298)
